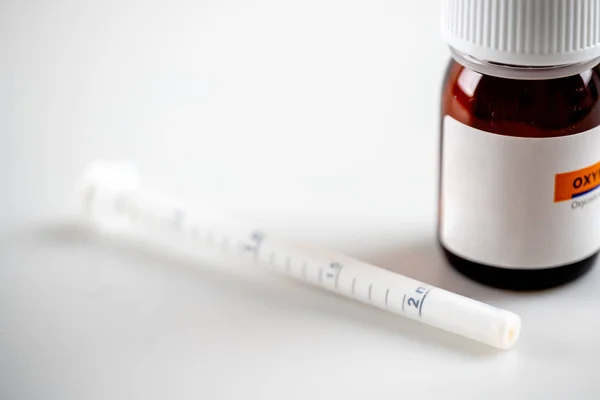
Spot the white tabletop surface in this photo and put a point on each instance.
(317, 120)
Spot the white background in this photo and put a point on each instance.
(318, 120)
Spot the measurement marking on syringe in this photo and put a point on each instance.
(422, 301)
(337, 276)
(353, 284)
(370, 287)
(403, 300)
(387, 292)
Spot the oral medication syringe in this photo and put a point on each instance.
(114, 202)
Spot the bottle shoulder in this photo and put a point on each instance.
(526, 108)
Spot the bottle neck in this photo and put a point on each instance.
(522, 72)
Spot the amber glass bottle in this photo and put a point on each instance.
(520, 141)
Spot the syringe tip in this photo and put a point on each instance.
(511, 329)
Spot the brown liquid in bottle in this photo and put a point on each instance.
(530, 109)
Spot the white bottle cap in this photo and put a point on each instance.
(524, 32)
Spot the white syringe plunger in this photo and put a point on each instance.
(114, 201)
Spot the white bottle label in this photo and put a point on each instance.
(519, 202)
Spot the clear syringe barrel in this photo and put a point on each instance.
(115, 202)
